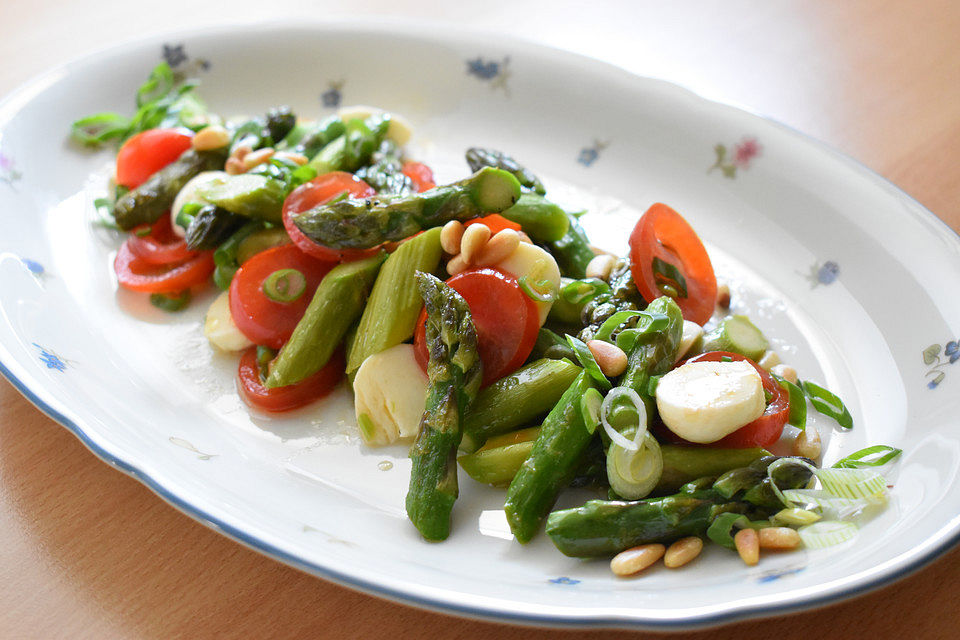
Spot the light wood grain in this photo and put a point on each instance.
(86, 552)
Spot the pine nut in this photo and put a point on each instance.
(723, 296)
(499, 247)
(233, 166)
(241, 152)
(682, 551)
(600, 266)
(769, 360)
(296, 158)
(807, 443)
(524, 237)
(779, 538)
(786, 372)
(209, 138)
(610, 357)
(456, 265)
(474, 238)
(748, 546)
(635, 560)
(257, 157)
(450, 237)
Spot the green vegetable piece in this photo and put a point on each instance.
(683, 464)
(552, 463)
(171, 302)
(798, 403)
(210, 227)
(737, 335)
(517, 399)
(590, 404)
(454, 372)
(479, 158)
(153, 198)
(226, 256)
(354, 147)
(588, 362)
(385, 174)
(721, 529)
(336, 304)
(634, 474)
(621, 296)
(875, 456)
(497, 461)
(361, 224)
(261, 241)
(550, 345)
(572, 252)
(542, 220)
(390, 316)
(313, 138)
(828, 403)
(280, 122)
(249, 194)
(654, 352)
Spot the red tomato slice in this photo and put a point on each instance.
(766, 429)
(319, 191)
(495, 222)
(137, 274)
(507, 321)
(290, 397)
(662, 233)
(269, 322)
(162, 246)
(420, 174)
(149, 151)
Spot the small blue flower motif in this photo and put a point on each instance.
(51, 359)
(932, 358)
(953, 350)
(34, 267)
(174, 55)
(589, 155)
(823, 274)
(564, 580)
(333, 96)
(493, 71)
(776, 574)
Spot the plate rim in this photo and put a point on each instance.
(33, 389)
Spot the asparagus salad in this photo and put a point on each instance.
(474, 321)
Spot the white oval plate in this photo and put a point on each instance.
(855, 281)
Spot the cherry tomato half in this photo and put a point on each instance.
(766, 429)
(290, 397)
(319, 191)
(507, 321)
(420, 174)
(663, 239)
(263, 320)
(137, 274)
(162, 245)
(495, 222)
(149, 151)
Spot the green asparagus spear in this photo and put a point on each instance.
(280, 122)
(250, 195)
(552, 463)
(310, 139)
(479, 158)
(681, 464)
(604, 528)
(385, 174)
(336, 305)
(539, 218)
(353, 148)
(517, 399)
(360, 224)
(455, 372)
(572, 251)
(736, 334)
(550, 345)
(498, 460)
(390, 316)
(210, 227)
(622, 296)
(655, 351)
(153, 198)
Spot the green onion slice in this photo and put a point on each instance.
(284, 285)
(669, 279)
(265, 356)
(541, 291)
(170, 301)
(826, 534)
(831, 506)
(607, 408)
(798, 403)
(582, 291)
(852, 483)
(828, 404)
(875, 456)
(794, 516)
(590, 403)
(587, 361)
(634, 474)
(646, 323)
(721, 529)
(94, 130)
(612, 323)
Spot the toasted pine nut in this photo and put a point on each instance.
(635, 560)
(769, 360)
(610, 357)
(456, 265)
(234, 166)
(682, 551)
(241, 152)
(498, 248)
(450, 237)
(778, 538)
(600, 266)
(209, 138)
(748, 546)
(474, 238)
(723, 296)
(524, 237)
(257, 157)
(292, 156)
(785, 371)
(807, 443)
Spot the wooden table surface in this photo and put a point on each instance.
(86, 552)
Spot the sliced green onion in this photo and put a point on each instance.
(852, 483)
(646, 324)
(285, 285)
(728, 359)
(170, 301)
(587, 361)
(830, 505)
(652, 385)
(641, 424)
(157, 85)
(798, 403)
(794, 516)
(828, 404)
(669, 279)
(104, 207)
(582, 291)
(142, 232)
(634, 474)
(302, 174)
(785, 462)
(869, 457)
(612, 323)
(826, 534)
(590, 409)
(187, 213)
(265, 356)
(94, 130)
(721, 529)
(225, 257)
(541, 291)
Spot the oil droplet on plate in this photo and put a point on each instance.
(386, 465)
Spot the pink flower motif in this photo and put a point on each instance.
(6, 164)
(745, 151)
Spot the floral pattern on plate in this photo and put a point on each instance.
(52, 359)
(739, 159)
(496, 72)
(937, 358)
(333, 96)
(590, 154)
(8, 171)
(822, 273)
(183, 66)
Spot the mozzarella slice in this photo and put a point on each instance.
(691, 333)
(220, 329)
(391, 392)
(704, 401)
(189, 194)
(536, 264)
